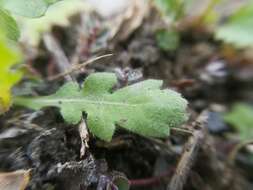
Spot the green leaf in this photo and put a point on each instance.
(49, 2)
(172, 9)
(8, 77)
(57, 14)
(241, 118)
(167, 40)
(238, 29)
(27, 8)
(141, 108)
(9, 25)
(121, 182)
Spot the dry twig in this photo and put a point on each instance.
(77, 67)
(236, 149)
(189, 155)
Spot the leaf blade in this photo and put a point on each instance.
(27, 8)
(240, 117)
(238, 29)
(9, 25)
(8, 78)
(141, 108)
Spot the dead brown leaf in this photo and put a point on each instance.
(16, 180)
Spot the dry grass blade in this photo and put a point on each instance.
(77, 67)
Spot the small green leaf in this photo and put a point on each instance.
(241, 118)
(172, 9)
(121, 182)
(9, 25)
(141, 108)
(27, 8)
(167, 40)
(238, 29)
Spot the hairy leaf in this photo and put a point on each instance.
(239, 28)
(28, 8)
(8, 77)
(142, 108)
(241, 118)
(9, 25)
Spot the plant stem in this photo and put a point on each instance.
(77, 67)
(236, 149)
(151, 180)
(207, 11)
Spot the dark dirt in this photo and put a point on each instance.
(199, 69)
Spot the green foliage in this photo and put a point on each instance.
(9, 28)
(8, 25)
(8, 77)
(238, 29)
(167, 40)
(172, 9)
(34, 8)
(121, 182)
(28, 8)
(141, 108)
(241, 118)
(57, 14)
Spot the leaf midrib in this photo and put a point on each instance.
(78, 100)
